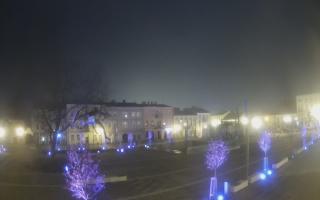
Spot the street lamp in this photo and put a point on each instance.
(287, 119)
(256, 122)
(215, 123)
(244, 120)
(20, 131)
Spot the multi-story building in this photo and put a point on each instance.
(304, 105)
(97, 125)
(191, 123)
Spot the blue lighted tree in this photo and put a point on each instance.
(265, 145)
(303, 137)
(216, 155)
(83, 177)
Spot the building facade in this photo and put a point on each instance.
(112, 124)
(191, 123)
(304, 105)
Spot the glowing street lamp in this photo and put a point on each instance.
(2, 132)
(256, 122)
(244, 120)
(315, 111)
(287, 119)
(20, 131)
(215, 123)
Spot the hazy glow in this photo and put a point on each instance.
(176, 128)
(168, 130)
(262, 176)
(266, 119)
(256, 122)
(220, 197)
(215, 122)
(2, 132)
(287, 119)
(100, 130)
(244, 120)
(315, 111)
(19, 131)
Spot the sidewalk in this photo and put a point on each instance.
(298, 180)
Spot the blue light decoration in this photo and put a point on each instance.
(66, 168)
(103, 148)
(146, 146)
(213, 187)
(49, 153)
(269, 172)
(262, 176)
(59, 135)
(216, 155)
(58, 149)
(220, 197)
(265, 145)
(121, 150)
(303, 137)
(2, 149)
(91, 120)
(83, 176)
(98, 151)
(226, 188)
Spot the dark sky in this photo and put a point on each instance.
(213, 54)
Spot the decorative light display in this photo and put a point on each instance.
(265, 145)
(216, 155)
(83, 176)
(265, 142)
(303, 137)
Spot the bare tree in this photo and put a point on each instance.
(76, 89)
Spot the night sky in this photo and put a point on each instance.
(212, 54)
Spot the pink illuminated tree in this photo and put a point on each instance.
(83, 177)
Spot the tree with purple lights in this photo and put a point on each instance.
(304, 136)
(216, 155)
(265, 145)
(83, 177)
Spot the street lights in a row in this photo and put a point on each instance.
(256, 123)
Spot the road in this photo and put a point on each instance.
(152, 174)
(300, 179)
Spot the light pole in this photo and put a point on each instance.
(245, 121)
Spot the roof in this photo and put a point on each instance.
(132, 104)
(189, 111)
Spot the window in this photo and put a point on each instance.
(133, 114)
(72, 138)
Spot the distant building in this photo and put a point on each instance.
(191, 123)
(281, 123)
(304, 106)
(113, 124)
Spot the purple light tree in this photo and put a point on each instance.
(83, 176)
(265, 145)
(304, 136)
(216, 155)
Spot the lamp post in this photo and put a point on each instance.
(245, 121)
(256, 123)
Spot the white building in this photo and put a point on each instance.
(119, 123)
(191, 123)
(304, 105)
